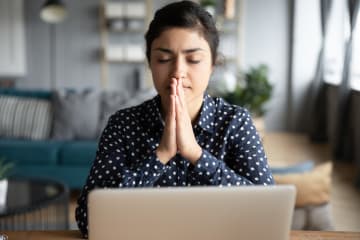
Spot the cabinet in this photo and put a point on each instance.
(122, 28)
(12, 39)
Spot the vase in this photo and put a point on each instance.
(3, 191)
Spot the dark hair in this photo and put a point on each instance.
(184, 14)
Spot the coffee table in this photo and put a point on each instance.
(35, 204)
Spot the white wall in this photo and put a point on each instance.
(265, 37)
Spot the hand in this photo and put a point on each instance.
(167, 147)
(185, 138)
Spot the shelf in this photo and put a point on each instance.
(125, 61)
(125, 10)
(142, 31)
(123, 54)
(126, 18)
(120, 23)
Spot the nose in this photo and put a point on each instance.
(179, 68)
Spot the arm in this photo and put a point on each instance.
(245, 162)
(113, 168)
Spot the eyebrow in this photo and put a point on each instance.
(190, 50)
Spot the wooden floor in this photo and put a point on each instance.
(282, 149)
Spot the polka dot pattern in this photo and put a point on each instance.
(232, 155)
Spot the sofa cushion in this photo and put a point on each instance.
(76, 115)
(313, 187)
(78, 153)
(23, 152)
(111, 101)
(73, 176)
(26, 93)
(27, 118)
(313, 217)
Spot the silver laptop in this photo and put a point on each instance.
(192, 213)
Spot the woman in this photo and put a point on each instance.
(182, 137)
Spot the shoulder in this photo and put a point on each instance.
(130, 115)
(230, 111)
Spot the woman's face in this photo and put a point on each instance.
(181, 53)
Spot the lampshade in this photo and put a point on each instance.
(53, 11)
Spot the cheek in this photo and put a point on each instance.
(158, 74)
(202, 74)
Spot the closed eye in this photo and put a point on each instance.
(164, 60)
(194, 61)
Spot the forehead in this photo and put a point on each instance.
(180, 39)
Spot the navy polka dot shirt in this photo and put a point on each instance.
(232, 152)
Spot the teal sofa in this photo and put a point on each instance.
(67, 161)
(62, 146)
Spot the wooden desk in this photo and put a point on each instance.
(69, 235)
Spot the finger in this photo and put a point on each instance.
(181, 94)
(181, 88)
(177, 108)
(172, 112)
(173, 85)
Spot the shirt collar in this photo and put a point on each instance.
(207, 114)
(156, 103)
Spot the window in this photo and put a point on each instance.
(355, 65)
(337, 34)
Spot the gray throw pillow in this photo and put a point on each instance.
(313, 217)
(76, 115)
(140, 97)
(111, 101)
(320, 218)
(114, 101)
(299, 219)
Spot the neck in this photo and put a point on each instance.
(194, 108)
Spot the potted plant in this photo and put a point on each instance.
(252, 91)
(209, 5)
(5, 169)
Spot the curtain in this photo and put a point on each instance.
(343, 126)
(317, 117)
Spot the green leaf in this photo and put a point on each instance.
(252, 91)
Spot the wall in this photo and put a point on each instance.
(63, 55)
(74, 62)
(266, 40)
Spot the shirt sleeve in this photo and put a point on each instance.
(113, 167)
(245, 162)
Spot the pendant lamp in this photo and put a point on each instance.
(53, 11)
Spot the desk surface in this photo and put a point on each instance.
(68, 235)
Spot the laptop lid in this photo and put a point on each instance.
(191, 213)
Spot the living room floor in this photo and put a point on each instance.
(286, 148)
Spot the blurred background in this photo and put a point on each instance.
(66, 65)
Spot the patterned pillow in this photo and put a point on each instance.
(26, 118)
(313, 187)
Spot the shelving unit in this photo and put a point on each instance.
(121, 31)
(122, 54)
(231, 44)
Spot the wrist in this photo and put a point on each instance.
(195, 155)
(163, 156)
